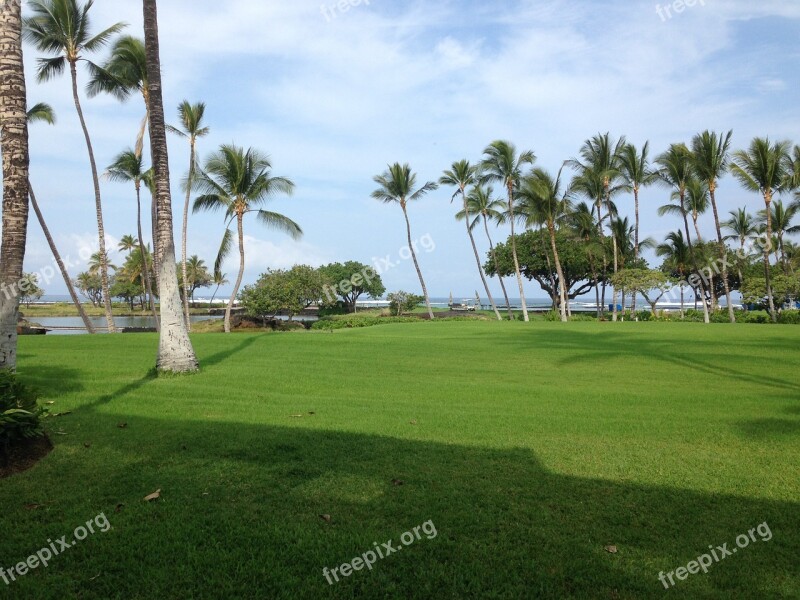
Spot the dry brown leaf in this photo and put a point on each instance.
(611, 549)
(154, 496)
(118, 507)
(33, 506)
(326, 518)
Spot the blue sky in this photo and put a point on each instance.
(334, 98)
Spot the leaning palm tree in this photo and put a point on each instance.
(62, 28)
(544, 202)
(502, 163)
(462, 175)
(44, 112)
(191, 118)
(710, 159)
(239, 182)
(485, 208)
(675, 173)
(175, 352)
(127, 167)
(396, 186)
(764, 167)
(14, 135)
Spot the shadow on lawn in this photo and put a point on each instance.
(240, 506)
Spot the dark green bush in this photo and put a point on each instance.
(789, 317)
(20, 415)
(755, 317)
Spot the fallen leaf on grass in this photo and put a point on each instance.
(122, 425)
(50, 402)
(60, 433)
(413, 421)
(154, 496)
(63, 414)
(297, 416)
(95, 577)
(312, 412)
(397, 482)
(33, 506)
(326, 518)
(118, 507)
(87, 445)
(611, 549)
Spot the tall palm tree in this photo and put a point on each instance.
(543, 201)
(462, 175)
(191, 119)
(484, 207)
(710, 159)
(677, 257)
(584, 228)
(765, 167)
(44, 112)
(127, 167)
(675, 172)
(239, 182)
(14, 142)
(502, 163)
(175, 352)
(127, 243)
(782, 217)
(197, 273)
(396, 186)
(62, 28)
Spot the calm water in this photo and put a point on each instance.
(100, 323)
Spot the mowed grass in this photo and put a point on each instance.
(531, 448)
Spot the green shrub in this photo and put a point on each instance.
(20, 415)
(756, 317)
(355, 321)
(789, 317)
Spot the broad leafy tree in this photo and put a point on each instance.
(349, 281)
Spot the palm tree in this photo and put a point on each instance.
(677, 256)
(44, 112)
(127, 167)
(585, 229)
(198, 275)
(397, 185)
(543, 202)
(175, 352)
(191, 118)
(218, 279)
(239, 182)
(766, 168)
(13, 117)
(127, 244)
(62, 28)
(782, 217)
(502, 163)
(710, 158)
(675, 172)
(481, 204)
(462, 175)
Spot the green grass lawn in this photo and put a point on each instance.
(531, 448)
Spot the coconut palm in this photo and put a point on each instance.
(127, 167)
(583, 226)
(175, 352)
(62, 28)
(239, 182)
(218, 279)
(127, 243)
(485, 208)
(677, 258)
(13, 117)
(198, 275)
(675, 172)
(543, 201)
(502, 163)
(462, 175)
(710, 159)
(765, 167)
(191, 118)
(44, 112)
(781, 218)
(742, 226)
(636, 174)
(397, 186)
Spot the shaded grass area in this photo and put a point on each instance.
(531, 448)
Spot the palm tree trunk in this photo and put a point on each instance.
(497, 270)
(562, 292)
(722, 253)
(175, 352)
(184, 230)
(616, 265)
(525, 316)
(635, 245)
(682, 298)
(416, 264)
(57, 257)
(478, 258)
(145, 270)
(101, 233)
(767, 273)
(14, 141)
(240, 230)
(706, 316)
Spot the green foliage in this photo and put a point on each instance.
(349, 281)
(19, 413)
(402, 302)
(278, 291)
(29, 289)
(91, 286)
(789, 317)
(356, 321)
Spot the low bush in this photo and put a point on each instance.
(20, 415)
(789, 317)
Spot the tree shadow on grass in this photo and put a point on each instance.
(239, 516)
